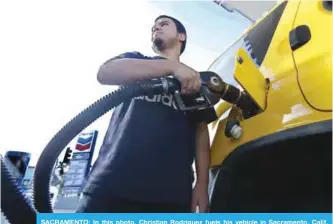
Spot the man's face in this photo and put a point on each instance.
(164, 34)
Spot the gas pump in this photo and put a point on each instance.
(17, 163)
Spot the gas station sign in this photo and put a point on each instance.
(80, 163)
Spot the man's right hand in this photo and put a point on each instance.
(189, 78)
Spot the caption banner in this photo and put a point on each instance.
(195, 218)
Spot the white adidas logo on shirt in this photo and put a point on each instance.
(167, 100)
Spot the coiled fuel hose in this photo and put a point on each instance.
(14, 204)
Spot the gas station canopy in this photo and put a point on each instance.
(253, 10)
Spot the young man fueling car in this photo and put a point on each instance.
(145, 161)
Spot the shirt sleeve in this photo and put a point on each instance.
(133, 54)
(207, 115)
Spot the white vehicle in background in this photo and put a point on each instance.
(54, 194)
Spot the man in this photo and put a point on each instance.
(145, 161)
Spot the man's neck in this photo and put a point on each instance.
(170, 54)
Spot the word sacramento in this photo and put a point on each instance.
(68, 221)
(169, 222)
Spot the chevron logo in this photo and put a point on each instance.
(84, 142)
(81, 147)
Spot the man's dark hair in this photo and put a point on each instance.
(180, 29)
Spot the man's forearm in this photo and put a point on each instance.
(202, 159)
(125, 71)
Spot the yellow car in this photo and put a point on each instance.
(277, 155)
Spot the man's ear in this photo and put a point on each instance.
(182, 37)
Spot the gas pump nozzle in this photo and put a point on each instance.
(208, 96)
(212, 90)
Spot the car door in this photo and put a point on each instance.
(311, 42)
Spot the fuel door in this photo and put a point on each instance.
(311, 44)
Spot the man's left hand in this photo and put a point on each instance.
(200, 199)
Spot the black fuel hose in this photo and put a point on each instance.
(14, 204)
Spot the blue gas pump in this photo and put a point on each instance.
(17, 163)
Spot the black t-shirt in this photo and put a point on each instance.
(148, 150)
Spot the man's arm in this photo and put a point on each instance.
(202, 157)
(128, 70)
(133, 66)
